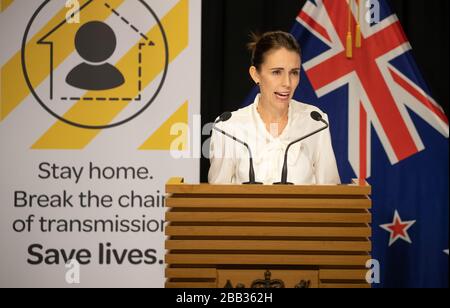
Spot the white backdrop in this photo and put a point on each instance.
(118, 245)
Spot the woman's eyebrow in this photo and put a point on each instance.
(282, 68)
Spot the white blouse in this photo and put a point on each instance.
(310, 161)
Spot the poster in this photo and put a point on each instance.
(99, 107)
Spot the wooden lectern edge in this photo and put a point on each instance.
(180, 180)
(174, 183)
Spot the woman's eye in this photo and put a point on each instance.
(276, 72)
(295, 73)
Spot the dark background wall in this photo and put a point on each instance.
(226, 25)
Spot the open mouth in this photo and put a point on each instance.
(282, 95)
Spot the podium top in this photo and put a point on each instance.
(177, 186)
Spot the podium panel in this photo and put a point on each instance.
(259, 236)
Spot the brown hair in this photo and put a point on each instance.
(262, 44)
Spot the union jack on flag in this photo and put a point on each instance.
(386, 128)
(381, 86)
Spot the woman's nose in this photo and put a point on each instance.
(287, 80)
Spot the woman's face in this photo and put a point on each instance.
(278, 78)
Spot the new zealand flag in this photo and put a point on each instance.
(386, 128)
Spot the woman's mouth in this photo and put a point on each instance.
(282, 95)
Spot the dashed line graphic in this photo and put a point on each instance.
(125, 20)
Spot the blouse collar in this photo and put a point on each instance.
(262, 126)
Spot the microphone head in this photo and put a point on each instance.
(225, 116)
(316, 116)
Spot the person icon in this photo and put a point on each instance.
(95, 42)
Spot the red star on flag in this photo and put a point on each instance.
(398, 229)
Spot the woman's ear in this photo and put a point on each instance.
(254, 74)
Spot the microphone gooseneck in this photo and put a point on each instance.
(223, 118)
(284, 173)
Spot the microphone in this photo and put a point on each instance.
(223, 118)
(316, 117)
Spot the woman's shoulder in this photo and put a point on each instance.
(238, 118)
(242, 115)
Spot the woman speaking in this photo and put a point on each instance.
(271, 123)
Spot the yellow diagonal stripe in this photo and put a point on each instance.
(164, 139)
(64, 136)
(4, 4)
(13, 86)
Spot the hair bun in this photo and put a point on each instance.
(254, 40)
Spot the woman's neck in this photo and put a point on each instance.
(272, 115)
(274, 120)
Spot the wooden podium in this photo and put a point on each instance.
(253, 236)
